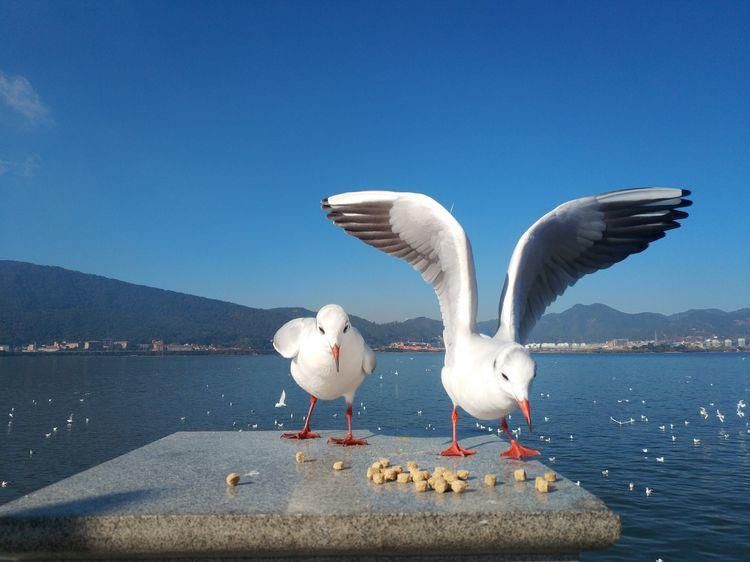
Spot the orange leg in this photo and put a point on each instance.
(305, 433)
(516, 450)
(455, 450)
(349, 440)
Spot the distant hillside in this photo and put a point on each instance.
(43, 303)
(597, 322)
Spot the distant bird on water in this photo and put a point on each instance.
(490, 377)
(330, 359)
(282, 400)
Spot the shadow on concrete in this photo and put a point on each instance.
(98, 505)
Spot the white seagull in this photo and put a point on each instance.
(488, 377)
(330, 359)
(282, 400)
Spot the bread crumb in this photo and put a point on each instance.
(440, 486)
(542, 485)
(390, 475)
(233, 479)
(384, 463)
(458, 486)
(338, 465)
(550, 476)
(403, 478)
(420, 475)
(299, 456)
(462, 474)
(449, 476)
(438, 471)
(411, 465)
(397, 468)
(490, 480)
(378, 478)
(421, 486)
(519, 475)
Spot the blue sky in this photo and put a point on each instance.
(187, 145)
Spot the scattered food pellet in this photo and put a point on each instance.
(378, 478)
(490, 480)
(449, 476)
(233, 479)
(458, 486)
(338, 465)
(299, 456)
(390, 475)
(440, 486)
(403, 478)
(369, 473)
(550, 476)
(542, 485)
(420, 475)
(462, 474)
(384, 463)
(397, 468)
(438, 470)
(421, 486)
(376, 465)
(519, 475)
(411, 465)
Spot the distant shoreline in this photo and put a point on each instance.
(259, 353)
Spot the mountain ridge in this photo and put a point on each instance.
(41, 303)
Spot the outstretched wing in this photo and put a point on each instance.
(416, 228)
(579, 237)
(287, 339)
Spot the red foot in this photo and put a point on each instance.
(347, 441)
(304, 434)
(455, 450)
(517, 451)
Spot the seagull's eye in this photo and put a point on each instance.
(346, 328)
(504, 376)
(321, 330)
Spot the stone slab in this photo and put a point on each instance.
(169, 499)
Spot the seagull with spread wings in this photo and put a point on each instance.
(489, 377)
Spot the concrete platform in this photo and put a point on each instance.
(169, 499)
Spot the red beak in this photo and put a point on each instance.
(526, 410)
(335, 351)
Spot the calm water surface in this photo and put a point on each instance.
(700, 507)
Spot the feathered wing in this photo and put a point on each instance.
(368, 362)
(287, 338)
(416, 228)
(579, 237)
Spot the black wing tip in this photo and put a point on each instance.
(325, 205)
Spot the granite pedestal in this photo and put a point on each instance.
(169, 499)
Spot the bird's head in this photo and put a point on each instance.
(514, 369)
(332, 323)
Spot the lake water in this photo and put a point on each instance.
(699, 509)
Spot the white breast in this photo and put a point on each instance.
(314, 369)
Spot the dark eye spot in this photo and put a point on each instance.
(505, 376)
(346, 328)
(321, 330)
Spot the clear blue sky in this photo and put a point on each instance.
(187, 145)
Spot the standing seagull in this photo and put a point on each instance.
(329, 359)
(486, 376)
